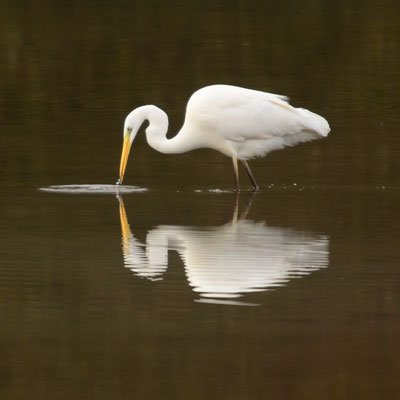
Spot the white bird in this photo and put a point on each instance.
(240, 123)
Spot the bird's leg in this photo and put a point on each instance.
(236, 173)
(250, 175)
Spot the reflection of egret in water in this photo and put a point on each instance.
(224, 262)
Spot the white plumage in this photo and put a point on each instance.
(240, 123)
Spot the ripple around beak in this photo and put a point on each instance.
(93, 189)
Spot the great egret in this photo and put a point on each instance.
(240, 123)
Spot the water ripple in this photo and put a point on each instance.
(93, 189)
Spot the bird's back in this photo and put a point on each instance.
(247, 123)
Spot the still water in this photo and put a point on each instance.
(174, 286)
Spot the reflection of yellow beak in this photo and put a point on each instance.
(124, 156)
(126, 231)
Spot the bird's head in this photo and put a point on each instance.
(159, 123)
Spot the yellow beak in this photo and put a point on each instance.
(124, 156)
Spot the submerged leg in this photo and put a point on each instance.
(250, 175)
(236, 208)
(243, 216)
(236, 173)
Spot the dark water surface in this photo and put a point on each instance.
(186, 290)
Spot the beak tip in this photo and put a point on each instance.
(124, 159)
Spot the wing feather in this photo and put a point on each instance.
(254, 122)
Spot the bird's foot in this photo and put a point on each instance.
(119, 182)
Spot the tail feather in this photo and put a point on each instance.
(315, 122)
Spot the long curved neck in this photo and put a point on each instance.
(156, 133)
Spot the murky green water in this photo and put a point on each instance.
(187, 291)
